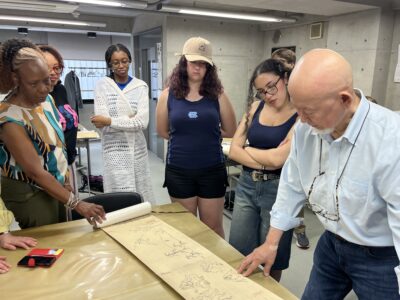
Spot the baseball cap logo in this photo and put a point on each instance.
(202, 48)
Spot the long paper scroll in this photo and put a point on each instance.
(190, 269)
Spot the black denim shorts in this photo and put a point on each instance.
(210, 182)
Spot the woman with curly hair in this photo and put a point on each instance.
(194, 114)
(268, 128)
(33, 159)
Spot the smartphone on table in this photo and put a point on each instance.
(36, 261)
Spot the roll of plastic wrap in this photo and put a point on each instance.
(125, 214)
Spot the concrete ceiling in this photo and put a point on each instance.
(74, 10)
(313, 7)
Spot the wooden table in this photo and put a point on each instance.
(94, 266)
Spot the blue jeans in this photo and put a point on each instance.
(340, 266)
(251, 218)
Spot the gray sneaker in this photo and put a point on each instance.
(301, 240)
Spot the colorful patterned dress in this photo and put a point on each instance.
(18, 190)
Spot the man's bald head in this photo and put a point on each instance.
(320, 73)
(321, 89)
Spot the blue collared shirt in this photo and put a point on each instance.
(369, 189)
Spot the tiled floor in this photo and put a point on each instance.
(294, 279)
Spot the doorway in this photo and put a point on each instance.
(148, 67)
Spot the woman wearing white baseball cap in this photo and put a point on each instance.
(194, 114)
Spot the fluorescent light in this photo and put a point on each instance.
(51, 21)
(65, 30)
(38, 6)
(105, 3)
(226, 15)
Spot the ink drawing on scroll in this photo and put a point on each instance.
(193, 271)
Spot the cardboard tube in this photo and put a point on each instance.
(125, 214)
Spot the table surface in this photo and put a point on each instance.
(87, 134)
(94, 266)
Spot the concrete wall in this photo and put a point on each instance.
(237, 49)
(78, 46)
(355, 36)
(145, 22)
(70, 45)
(38, 37)
(366, 39)
(296, 35)
(393, 88)
(382, 59)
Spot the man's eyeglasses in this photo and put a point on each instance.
(317, 209)
(56, 69)
(116, 63)
(270, 90)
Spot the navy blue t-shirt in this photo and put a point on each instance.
(195, 134)
(268, 137)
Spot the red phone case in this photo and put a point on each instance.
(40, 257)
(46, 252)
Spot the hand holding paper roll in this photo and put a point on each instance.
(125, 214)
(92, 212)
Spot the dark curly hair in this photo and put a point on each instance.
(110, 51)
(53, 51)
(211, 86)
(267, 66)
(11, 58)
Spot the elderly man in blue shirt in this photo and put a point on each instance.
(344, 164)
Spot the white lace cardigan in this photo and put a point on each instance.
(125, 157)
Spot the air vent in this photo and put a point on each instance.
(316, 31)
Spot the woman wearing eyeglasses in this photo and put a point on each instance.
(68, 116)
(122, 112)
(267, 126)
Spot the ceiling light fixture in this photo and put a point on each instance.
(47, 6)
(23, 31)
(222, 14)
(51, 21)
(105, 3)
(91, 35)
(66, 30)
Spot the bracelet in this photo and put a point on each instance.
(72, 202)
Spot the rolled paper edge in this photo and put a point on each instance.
(125, 214)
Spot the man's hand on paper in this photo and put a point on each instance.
(265, 254)
(92, 212)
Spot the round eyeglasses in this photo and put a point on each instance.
(116, 63)
(270, 90)
(56, 69)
